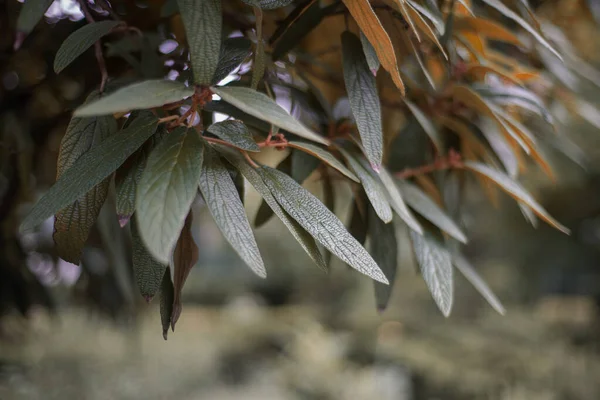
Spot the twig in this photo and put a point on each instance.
(249, 159)
(97, 46)
(167, 119)
(452, 161)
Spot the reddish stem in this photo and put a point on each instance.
(452, 161)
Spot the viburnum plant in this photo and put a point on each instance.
(461, 75)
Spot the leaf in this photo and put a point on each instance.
(228, 211)
(139, 96)
(487, 28)
(436, 268)
(364, 99)
(73, 223)
(268, 4)
(167, 294)
(79, 41)
(147, 272)
(302, 165)
(516, 191)
(370, 54)
(202, 20)
(306, 17)
(367, 20)
(229, 110)
(321, 223)
(507, 12)
(235, 132)
(184, 258)
(91, 169)
(397, 202)
(465, 267)
(384, 249)
(425, 28)
(373, 187)
(169, 8)
(325, 156)
(233, 52)
(329, 202)
(358, 225)
(265, 212)
(426, 124)
(306, 241)
(31, 13)
(425, 206)
(501, 147)
(261, 106)
(258, 69)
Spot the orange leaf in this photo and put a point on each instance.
(487, 28)
(425, 28)
(478, 72)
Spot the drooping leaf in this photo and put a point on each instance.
(397, 201)
(91, 169)
(202, 20)
(79, 41)
(359, 221)
(436, 268)
(465, 267)
(268, 4)
(235, 132)
(427, 125)
(372, 186)
(501, 147)
(295, 27)
(384, 248)
(147, 272)
(302, 165)
(369, 23)
(139, 96)
(228, 211)
(306, 241)
(370, 54)
(31, 13)
(516, 191)
(425, 206)
(233, 52)
(329, 202)
(325, 156)
(73, 223)
(167, 295)
(265, 211)
(321, 223)
(184, 258)
(263, 107)
(258, 69)
(363, 96)
(514, 95)
(166, 190)
(425, 28)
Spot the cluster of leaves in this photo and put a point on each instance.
(446, 69)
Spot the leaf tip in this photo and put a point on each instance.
(148, 298)
(175, 315)
(165, 333)
(376, 167)
(123, 220)
(19, 39)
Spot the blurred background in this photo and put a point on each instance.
(71, 332)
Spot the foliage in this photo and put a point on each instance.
(423, 96)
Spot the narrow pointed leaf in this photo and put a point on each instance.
(516, 191)
(139, 96)
(202, 20)
(235, 132)
(233, 52)
(384, 249)
(258, 69)
(31, 13)
(91, 169)
(488, 28)
(167, 294)
(370, 54)
(184, 258)
(321, 223)
(263, 107)
(363, 96)
(397, 201)
(306, 17)
(465, 267)
(427, 125)
(268, 4)
(147, 272)
(79, 41)
(425, 28)
(425, 206)
(436, 268)
(265, 211)
(325, 156)
(166, 190)
(228, 211)
(359, 220)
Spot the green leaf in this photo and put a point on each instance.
(384, 249)
(258, 69)
(306, 241)
(372, 186)
(147, 272)
(515, 190)
(233, 52)
(503, 150)
(397, 201)
(73, 223)
(228, 211)
(31, 13)
(166, 190)
(465, 267)
(436, 268)
(79, 41)
(91, 169)
(167, 295)
(268, 4)
(299, 23)
(265, 211)
(358, 225)
(202, 20)
(169, 8)
(184, 258)
(423, 204)
(302, 165)
(370, 54)
(235, 132)
(263, 107)
(325, 156)
(139, 96)
(321, 223)
(363, 96)
(427, 125)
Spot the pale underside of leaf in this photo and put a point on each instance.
(324, 156)
(397, 201)
(235, 132)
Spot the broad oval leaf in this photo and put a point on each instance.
(425, 206)
(227, 209)
(325, 156)
(31, 13)
(184, 258)
(370, 54)
(321, 223)
(363, 96)
(263, 107)
(436, 267)
(516, 191)
(384, 249)
(235, 132)
(202, 20)
(397, 201)
(91, 169)
(167, 295)
(147, 272)
(268, 4)
(139, 96)
(233, 52)
(79, 41)
(166, 190)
